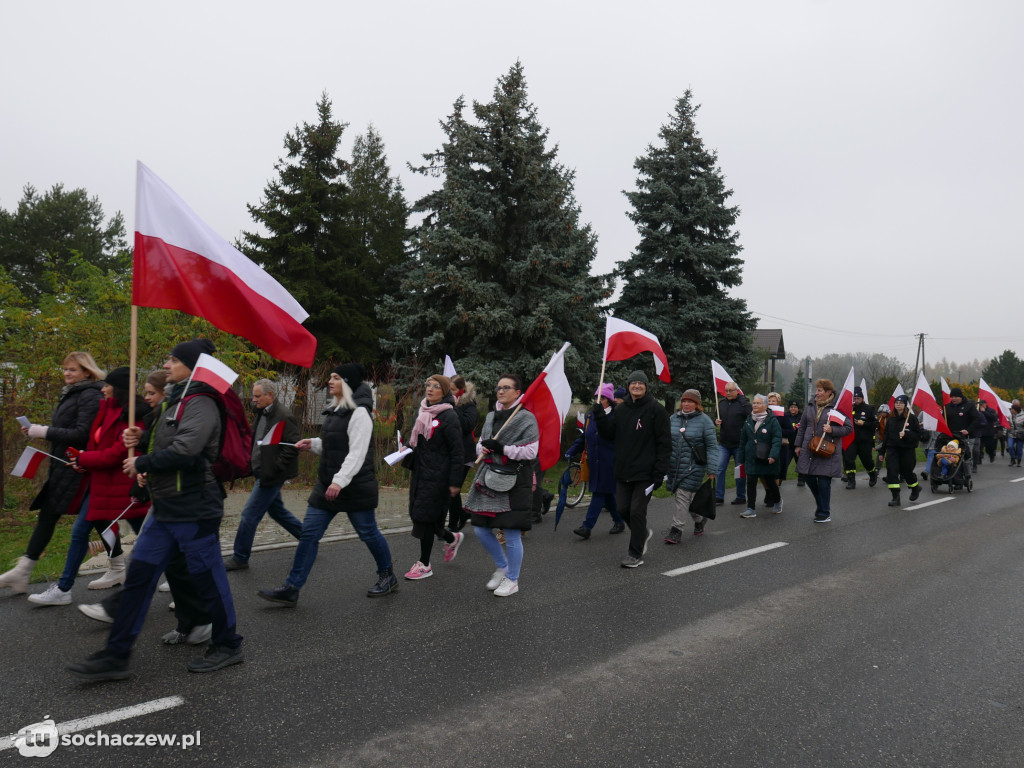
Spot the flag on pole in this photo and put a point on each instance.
(895, 393)
(777, 410)
(931, 414)
(836, 417)
(28, 463)
(581, 419)
(212, 371)
(449, 367)
(864, 389)
(273, 437)
(845, 406)
(548, 398)
(722, 378)
(988, 396)
(624, 340)
(945, 391)
(181, 263)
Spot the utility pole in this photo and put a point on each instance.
(807, 381)
(919, 356)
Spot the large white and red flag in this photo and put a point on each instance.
(844, 404)
(212, 371)
(624, 340)
(722, 378)
(548, 398)
(181, 263)
(28, 463)
(895, 393)
(931, 415)
(945, 392)
(988, 396)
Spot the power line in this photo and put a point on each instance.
(844, 332)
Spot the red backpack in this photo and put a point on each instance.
(235, 458)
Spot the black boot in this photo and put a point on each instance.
(915, 491)
(872, 478)
(895, 497)
(387, 582)
(851, 480)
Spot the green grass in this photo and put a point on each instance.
(16, 527)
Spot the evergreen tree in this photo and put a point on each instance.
(1006, 371)
(38, 239)
(675, 283)
(312, 245)
(798, 390)
(501, 263)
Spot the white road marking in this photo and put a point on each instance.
(113, 716)
(1018, 480)
(725, 559)
(929, 503)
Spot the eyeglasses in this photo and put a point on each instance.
(433, 385)
(503, 387)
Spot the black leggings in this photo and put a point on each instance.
(427, 543)
(46, 524)
(772, 494)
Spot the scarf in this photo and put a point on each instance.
(423, 420)
(758, 418)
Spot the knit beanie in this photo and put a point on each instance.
(605, 390)
(354, 373)
(638, 376)
(188, 352)
(444, 381)
(691, 394)
(119, 377)
(956, 392)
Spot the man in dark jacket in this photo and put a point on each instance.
(640, 430)
(964, 420)
(272, 464)
(188, 504)
(864, 426)
(733, 410)
(986, 433)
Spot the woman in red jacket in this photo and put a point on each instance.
(107, 493)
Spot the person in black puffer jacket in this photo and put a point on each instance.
(437, 472)
(69, 428)
(346, 482)
(643, 445)
(466, 409)
(902, 435)
(733, 410)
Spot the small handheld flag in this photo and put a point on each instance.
(273, 437)
(28, 463)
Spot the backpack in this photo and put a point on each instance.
(235, 457)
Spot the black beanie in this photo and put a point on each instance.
(352, 373)
(188, 352)
(956, 392)
(119, 378)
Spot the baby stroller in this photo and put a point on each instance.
(951, 468)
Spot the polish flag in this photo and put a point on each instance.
(212, 371)
(581, 419)
(548, 398)
(895, 393)
(273, 437)
(945, 391)
(777, 410)
(988, 396)
(624, 340)
(845, 406)
(449, 367)
(180, 263)
(28, 463)
(931, 415)
(864, 389)
(835, 417)
(722, 378)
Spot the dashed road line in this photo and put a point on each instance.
(725, 559)
(929, 503)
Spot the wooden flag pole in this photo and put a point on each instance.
(600, 381)
(495, 435)
(132, 357)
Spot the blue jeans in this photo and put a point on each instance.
(513, 562)
(313, 527)
(264, 499)
(597, 502)
(724, 454)
(77, 548)
(929, 458)
(821, 490)
(1016, 448)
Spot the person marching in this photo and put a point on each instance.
(902, 434)
(818, 466)
(600, 461)
(694, 450)
(864, 425)
(464, 393)
(760, 444)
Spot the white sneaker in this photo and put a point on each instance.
(650, 532)
(496, 578)
(164, 586)
(170, 606)
(777, 509)
(52, 596)
(507, 587)
(96, 611)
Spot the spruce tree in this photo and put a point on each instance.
(675, 283)
(501, 263)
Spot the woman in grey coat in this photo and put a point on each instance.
(692, 430)
(819, 470)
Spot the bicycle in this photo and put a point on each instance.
(577, 487)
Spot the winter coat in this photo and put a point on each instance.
(643, 444)
(770, 433)
(277, 463)
(511, 509)
(108, 486)
(911, 435)
(733, 414)
(183, 444)
(437, 466)
(688, 429)
(864, 433)
(963, 416)
(988, 424)
(1017, 425)
(812, 424)
(360, 493)
(600, 457)
(69, 428)
(466, 410)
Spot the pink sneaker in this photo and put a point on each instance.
(451, 550)
(419, 571)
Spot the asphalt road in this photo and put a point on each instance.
(885, 638)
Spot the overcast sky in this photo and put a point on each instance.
(876, 144)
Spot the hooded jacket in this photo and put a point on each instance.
(690, 429)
